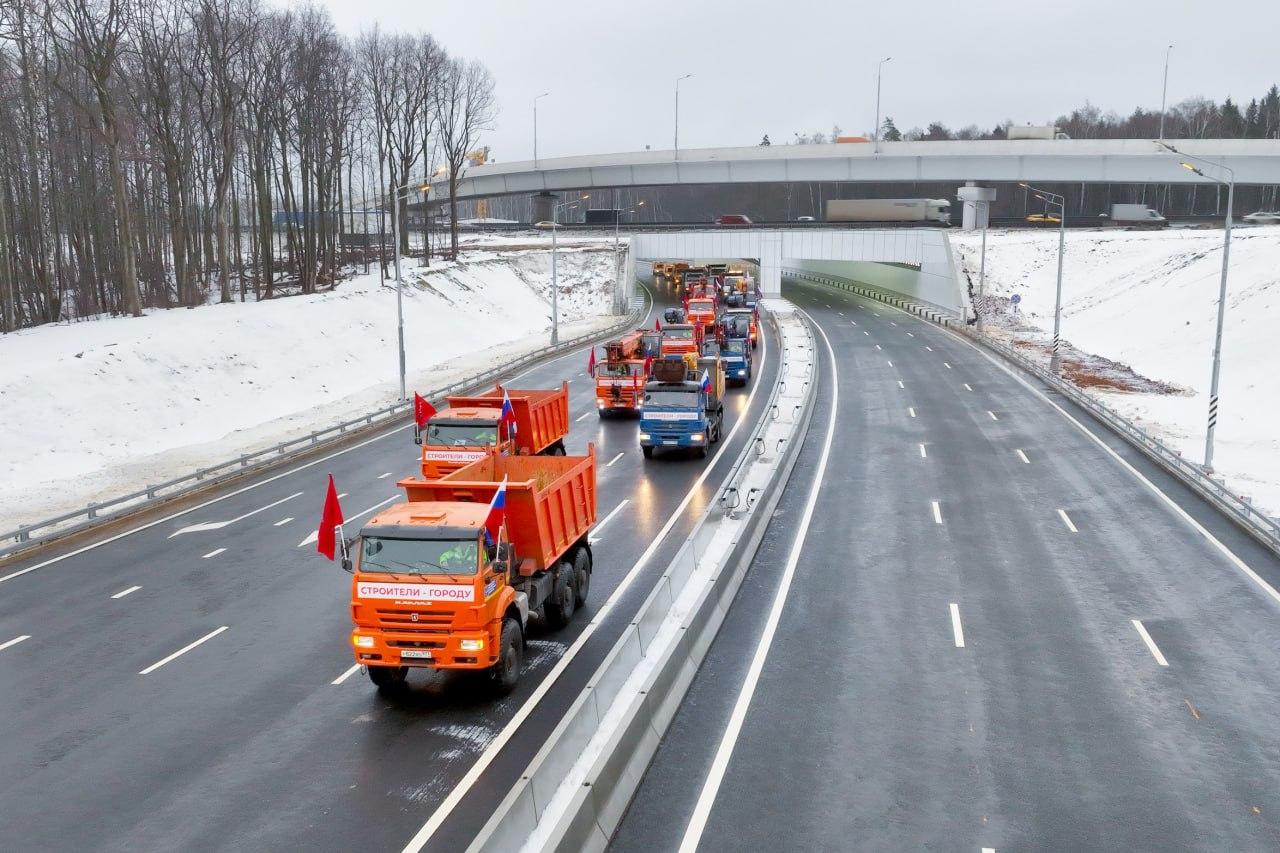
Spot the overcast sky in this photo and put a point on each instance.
(800, 65)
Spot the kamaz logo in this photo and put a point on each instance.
(413, 617)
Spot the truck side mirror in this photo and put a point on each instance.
(347, 545)
(417, 434)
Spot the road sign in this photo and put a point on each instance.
(1015, 299)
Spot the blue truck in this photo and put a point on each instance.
(683, 405)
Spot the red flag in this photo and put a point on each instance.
(330, 521)
(422, 410)
(648, 366)
(657, 325)
(591, 363)
(635, 387)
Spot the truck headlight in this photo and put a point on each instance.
(742, 373)
(360, 641)
(697, 436)
(644, 436)
(471, 645)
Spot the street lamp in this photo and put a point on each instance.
(876, 134)
(555, 281)
(1230, 184)
(535, 128)
(677, 139)
(1164, 92)
(424, 187)
(1053, 198)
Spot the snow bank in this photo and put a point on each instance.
(95, 409)
(1148, 299)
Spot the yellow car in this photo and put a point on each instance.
(1043, 219)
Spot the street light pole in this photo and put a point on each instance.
(1222, 290)
(876, 133)
(555, 280)
(535, 128)
(1048, 198)
(676, 143)
(395, 245)
(1164, 92)
(617, 255)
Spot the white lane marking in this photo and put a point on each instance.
(182, 651)
(877, 313)
(988, 850)
(929, 348)
(909, 335)
(384, 476)
(180, 513)
(891, 323)
(854, 322)
(464, 785)
(957, 632)
(890, 362)
(966, 387)
(911, 410)
(583, 416)
(841, 313)
(18, 639)
(937, 512)
(282, 522)
(947, 365)
(715, 775)
(215, 552)
(900, 385)
(865, 332)
(993, 415)
(315, 534)
(877, 346)
(608, 518)
(346, 675)
(1151, 644)
(1022, 456)
(923, 454)
(615, 459)
(1169, 502)
(122, 593)
(1066, 519)
(218, 525)
(341, 495)
(582, 374)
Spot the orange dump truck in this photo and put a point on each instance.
(620, 378)
(702, 312)
(430, 589)
(678, 339)
(460, 434)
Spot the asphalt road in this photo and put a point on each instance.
(261, 734)
(996, 636)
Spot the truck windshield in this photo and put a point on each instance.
(679, 334)
(702, 306)
(619, 369)
(734, 347)
(679, 398)
(462, 435)
(420, 556)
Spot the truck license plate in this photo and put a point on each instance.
(670, 441)
(424, 654)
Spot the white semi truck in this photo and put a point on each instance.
(1034, 131)
(889, 210)
(1136, 214)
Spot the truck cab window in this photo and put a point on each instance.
(419, 556)
(462, 435)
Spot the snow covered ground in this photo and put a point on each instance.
(1148, 300)
(95, 409)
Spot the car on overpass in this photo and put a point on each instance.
(1263, 217)
(733, 219)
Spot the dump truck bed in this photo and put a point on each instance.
(542, 414)
(551, 500)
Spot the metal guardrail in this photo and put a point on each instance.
(1236, 508)
(26, 535)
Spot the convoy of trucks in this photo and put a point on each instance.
(495, 531)
(433, 587)
(889, 210)
(471, 424)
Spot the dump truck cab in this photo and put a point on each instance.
(735, 352)
(702, 311)
(457, 437)
(750, 317)
(430, 588)
(680, 338)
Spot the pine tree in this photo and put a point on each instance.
(889, 131)
(1232, 120)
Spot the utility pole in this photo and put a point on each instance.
(1164, 92)
(676, 143)
(876, 135)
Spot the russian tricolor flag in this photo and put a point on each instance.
(497, 513)
(706, 382)
(508, 415)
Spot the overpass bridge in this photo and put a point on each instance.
(1255, 161)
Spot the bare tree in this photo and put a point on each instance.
(465, 107)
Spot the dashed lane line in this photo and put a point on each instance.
(122, 593)
(1151, 644)
(182, 651)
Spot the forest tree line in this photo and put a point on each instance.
(165, 153)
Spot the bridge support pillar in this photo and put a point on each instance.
(977, 205)
(543, 205)
(771, 263)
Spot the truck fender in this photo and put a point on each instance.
(520, 604)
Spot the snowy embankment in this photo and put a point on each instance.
(95, 409)
(1139, 310)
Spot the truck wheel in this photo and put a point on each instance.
(582, 576)
(558, 450)
(559, 608)
(702, 452)
(388, 678)
(505, 674)
(647, 451)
